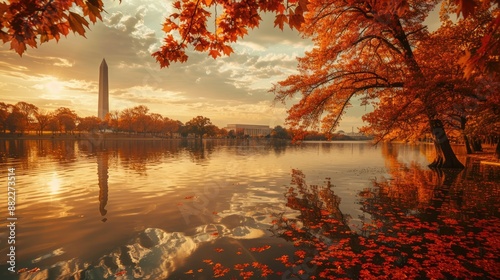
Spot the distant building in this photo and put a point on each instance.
(358, 136)
(250, 129)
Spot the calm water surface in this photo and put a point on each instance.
(166, 209)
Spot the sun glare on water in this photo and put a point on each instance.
(54, 184)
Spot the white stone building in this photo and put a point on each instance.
(250, 129)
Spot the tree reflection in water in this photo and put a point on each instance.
(423, 224)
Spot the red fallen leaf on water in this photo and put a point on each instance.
(220, 270)
(215, 234)
(121, 273)
(219, 250)
(283, 259)
(208, 261)
(200, 270)
(239, 253)
(265, 270)
(22, 270)
(260, 249)
(241, 266)
(246, 274)
(189, 197)
(300, 253)
(33, 270)
(189, 272)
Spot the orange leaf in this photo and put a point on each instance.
(4, 36)
(94, 12)
(280, 21)
(260, 249)
(214, 53)
(19, 47)
(283, 259)
(167, 27)
(227, 50)
(76, 23)
(22, 270)
(33, 270)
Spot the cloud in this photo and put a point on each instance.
(6, 68)
(50, 60)
(125, 65)
(273, 57)
(113, 19)
(245, 47)
(147, 94)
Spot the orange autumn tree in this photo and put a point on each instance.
(463, 101)
(26, 22)
(456, 99)
(365, 51)
(486, 57)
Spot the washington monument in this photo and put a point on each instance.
(103, 108)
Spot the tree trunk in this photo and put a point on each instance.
(476, 145)
(463, 122)
(467, 145)
(445, 157)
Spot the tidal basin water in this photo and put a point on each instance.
(176, 209)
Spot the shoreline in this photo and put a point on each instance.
(81, 136)
(488, 149)
(486, 157)
(124, 137)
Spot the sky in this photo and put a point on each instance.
(227, 90)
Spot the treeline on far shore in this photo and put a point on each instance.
(27, 120)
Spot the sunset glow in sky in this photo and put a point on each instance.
(227, 90)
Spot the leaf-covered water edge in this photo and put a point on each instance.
(419, 224)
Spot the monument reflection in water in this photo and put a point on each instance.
(102, 174)
(177, 209)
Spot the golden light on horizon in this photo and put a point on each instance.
(54, 87)
(50, 87)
